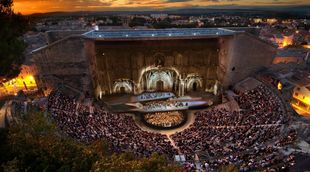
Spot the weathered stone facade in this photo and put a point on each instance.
(132, 59)
(53, 36)
(64, 62)
(243, 55)
(107, 66)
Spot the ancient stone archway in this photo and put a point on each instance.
(193, 82)
(165, 79)
(159, 79)
(123, 86)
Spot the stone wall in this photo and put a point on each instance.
(225, 59)
(53, 36)
(128, 59)
(246, 55)
(87, 65)
(64, 62)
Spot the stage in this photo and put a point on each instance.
(129, 103)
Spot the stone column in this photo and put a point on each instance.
(181, 87)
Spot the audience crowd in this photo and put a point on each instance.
(249, 138)
(164, 119)
(119, 129)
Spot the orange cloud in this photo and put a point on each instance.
(41, 6)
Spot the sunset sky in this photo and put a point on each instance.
(34, 6)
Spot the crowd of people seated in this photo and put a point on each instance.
(249, 138)
(155, 95)
(77, 121)
(163, 105)
(164, 119)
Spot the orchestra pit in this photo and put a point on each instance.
(164, 120)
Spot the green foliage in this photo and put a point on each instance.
(126, 162)
(12, 46)
(4, 145)
(137, 21)
(35, 144)
(163, 24)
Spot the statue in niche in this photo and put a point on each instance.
(215, 90)
(159, 60)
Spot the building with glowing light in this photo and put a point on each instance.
(293, 82)
(301, 99)
(25, 81)
(292, 55)
(283, 41)
(133, 61)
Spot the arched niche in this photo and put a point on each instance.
(123, 86)
(194, 82)
(159, 79)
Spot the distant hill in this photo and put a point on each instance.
(300, 11)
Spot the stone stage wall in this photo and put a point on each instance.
(128, 60)
(100, 67)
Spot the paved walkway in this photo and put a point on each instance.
(174, 145)
(5, 114)
(303, 147)
(9, 111)
(2, 115)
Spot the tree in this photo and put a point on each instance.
(33, 143)
(127, 162)
(137, 21)
(12, 46)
